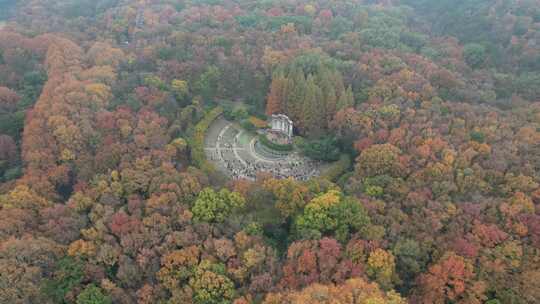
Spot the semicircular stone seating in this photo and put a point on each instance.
(237, 153)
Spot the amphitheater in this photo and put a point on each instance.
(238, 154)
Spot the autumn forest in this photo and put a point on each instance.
(425, 113)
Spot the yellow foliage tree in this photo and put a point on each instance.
(381, 267)
(353, 291)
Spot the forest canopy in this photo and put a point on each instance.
(424, 114)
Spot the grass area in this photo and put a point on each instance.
(246, 137)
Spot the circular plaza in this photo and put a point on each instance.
(241, 155)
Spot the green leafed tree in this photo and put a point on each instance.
(331, 213)
(180, 88)
(208, 83)
(475, 54)
(93, 295)
(69, 274)
(212, 206)
(325, 148)
(210, 284)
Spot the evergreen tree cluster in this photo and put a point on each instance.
(310, 90)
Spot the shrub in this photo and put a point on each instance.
(258, 123)
(277, 147)
(240, 114)
(247, 125)
(228, 112)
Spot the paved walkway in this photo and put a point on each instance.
(235, 149)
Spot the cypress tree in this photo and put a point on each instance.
(310, 91)
(276, 97)
(313, 111)
(346, 99)
(296, 92)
